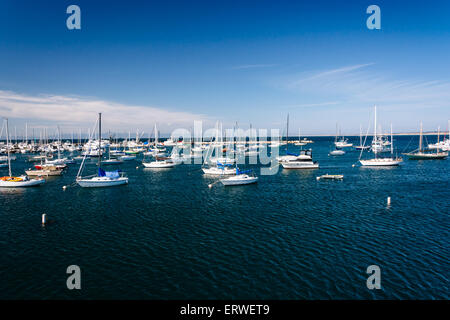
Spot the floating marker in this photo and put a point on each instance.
(137, 167)
(388, 201)
(353, 165)
(44, 218)
(209, 185)
(64, 187)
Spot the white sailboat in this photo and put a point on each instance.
(361, 145)
(103, 178)
(336, 151)
(376, 161)
(220, 169)
(16, 182)
(241, 178)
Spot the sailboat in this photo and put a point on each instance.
(443, 145)
(103, 178)
(301, 142)
(420, 154)
(241, 178)
(377, 162)
(111, 161)
(220, 169)
(337, 151)
(16, 182)
(361, 145)
(342, 143)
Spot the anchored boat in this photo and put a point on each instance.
(103, 178)
(421, 154)
(16, 182)
(376, 161)
(241, 178)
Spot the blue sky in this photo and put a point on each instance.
(171, 62)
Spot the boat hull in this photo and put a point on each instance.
(21, 184)
(218, 172)
(380, 162)
(39, 173)
(98, 182)
(427, 156)
(299, 165)
(239, 181)
(158, 165)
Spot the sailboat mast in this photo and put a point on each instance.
(59, 142)
(287, 133)
(99, 140)
(420, 138)
(7, 147)
(392, 142)
(360, 135)
(375, 133)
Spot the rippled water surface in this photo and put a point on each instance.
(167, 235)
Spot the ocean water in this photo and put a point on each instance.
(166, 235)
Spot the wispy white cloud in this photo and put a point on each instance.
(364, 86)
(252, 66)
(82, 111)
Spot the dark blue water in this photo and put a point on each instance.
(167, 235)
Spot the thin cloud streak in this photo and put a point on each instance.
(355, 85)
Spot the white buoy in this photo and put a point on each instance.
(137, 167)
(44, 218)
(64, 187)
(209, 185)
(353, 165)
(388, 201)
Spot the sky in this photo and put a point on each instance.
(250, 62)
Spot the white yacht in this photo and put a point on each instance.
(301, 161)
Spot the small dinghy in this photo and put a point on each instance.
(337, 152)
(330, 177)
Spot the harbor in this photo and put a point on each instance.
(168, 233)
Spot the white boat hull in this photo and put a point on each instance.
(380, 162)
(97, 182)
(158, 164)
(21, 184)
(218, 171)
(239, 180)
(299, 165)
